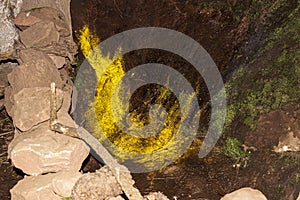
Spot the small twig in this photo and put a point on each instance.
(6, 133)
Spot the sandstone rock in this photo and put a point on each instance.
(50, 186)
(33, 16)
(42, 151)
(31, 55)
(61, 5)
(59, 61)
(40, 34)
(246, 193)
(116, 198)
(298, 197)
(37, 73)
(64, 181)
(156, 196)
(32, 106)
(32, 187)
(25, 19)
(96, 186)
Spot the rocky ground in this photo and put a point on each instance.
(255, 44)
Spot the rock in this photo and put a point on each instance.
(8, 33)
(44, 73)
(59, 61)
(5, 69)
(31, 55)
(64, 181)
(32, 187)
(25, 19)
(96, 186)
(61, 5)
(156, 196)
(298, 197)
(50, 186)
(8, 36)
(288, 142)
(246, 193)
(116, 198)
(40, 34)
(30, 17)
(25, 115)
(40, 151)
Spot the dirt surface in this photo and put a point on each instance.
(9, 175)
(233, 32)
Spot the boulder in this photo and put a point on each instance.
(61, 5)
(246, 193)
(37, 73)
(40, 34)
(64, 181)
(100, 185)
(32, 106)
(41, 150)
(45, 187)
(30, 55)
(28, 18)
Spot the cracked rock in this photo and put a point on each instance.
(41, 150)
(41, 34)
(24, 114)
(28, 18)
(45, 187)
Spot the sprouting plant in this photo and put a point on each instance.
(232, 149)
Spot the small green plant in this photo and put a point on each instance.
(232, 149)
(66, 198)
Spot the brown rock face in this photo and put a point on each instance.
(28, 18)
(32, 106)
(42, 151)
(44, 187)
(41, 34)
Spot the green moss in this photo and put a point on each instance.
(232, 149)
(269, 81)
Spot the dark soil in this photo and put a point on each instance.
(232, 32)
(9, 175)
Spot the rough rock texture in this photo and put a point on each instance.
(245, 194)
(42, 151)
(45, 187)
(59, 61)
(61, 5)
(31, 17)
(64, 181)
(22, 77)
(41, 34)
(96, 186)
(156, 196)
(116, 198)
(8, 33)
(29, 55)
(24, 114)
